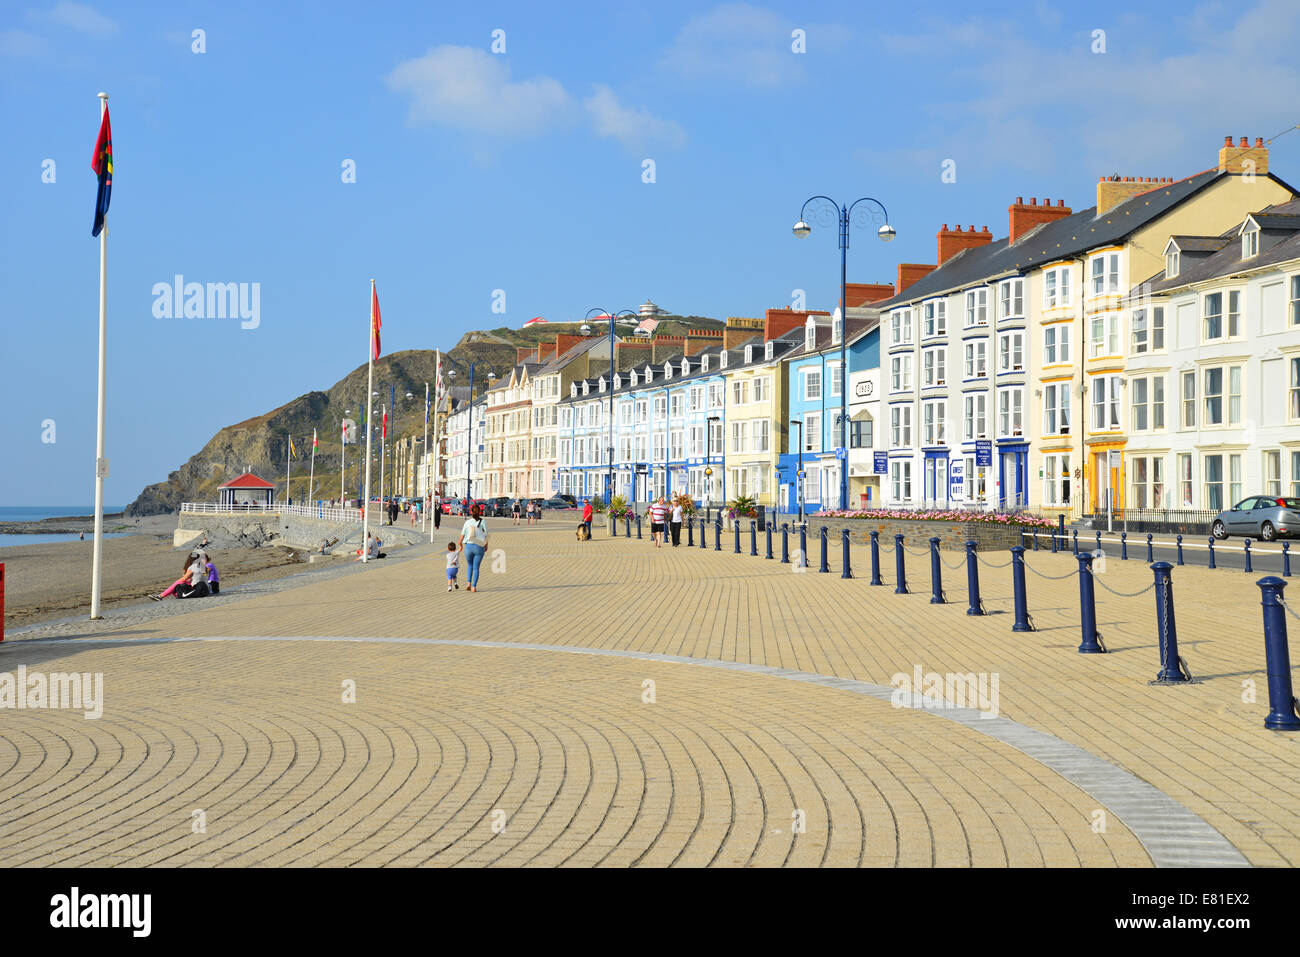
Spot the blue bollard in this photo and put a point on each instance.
(735, 527)
(1074, 537)
(1123, 546)
(1286, 559)
(753, 538)
(690, 532)
(975, 606)
(1087, 608)
(936, 575)
(785, 544)
(825, 565)
(900, 568)
(847, 571)
(704, 532)
(875, 559)
(1018, 589)
(1170, 663)
(1055, 542)
(1149, 558)
(768, 528)
(803, 545)
(1281, 700)
(1180, 549)
(1212, 565)
(613, 528)
(638, 527)
(717, 535)
(1248, 568)
(1099, 539)
(1035, 539)
(1060, 527)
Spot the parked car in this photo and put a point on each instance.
(567, 497)
(500, 505)
(1266, 517)
(460, 506)
(558, 502)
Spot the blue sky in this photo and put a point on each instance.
(523, 172)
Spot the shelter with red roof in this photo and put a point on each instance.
(248, 489)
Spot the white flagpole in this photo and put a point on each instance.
(101, 463)
(311, 478)
(288, 466)
(427, 484)
(382, 442)
(343, 463)
(370, 387)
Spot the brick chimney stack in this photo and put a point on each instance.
(1244, 158)
(909, 273)
(740, 329)
(777, 322)
(953, 241)
(1023, 217)
(865, 293)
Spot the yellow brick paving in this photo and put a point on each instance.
(446, 743)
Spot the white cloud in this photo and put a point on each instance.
(635, 129)
(21, 43)
(470, 89)
(79, 17)
(1024, 100)
(738, 43)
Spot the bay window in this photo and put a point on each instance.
(1010, 412)
(1056, 408)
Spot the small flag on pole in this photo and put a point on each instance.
(374, 320)
(293, 453)
(313, 440)
(102, 164)
(385, 432)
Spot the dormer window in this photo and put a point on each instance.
(1172, 257)
(618, 381)
(704, 363)
(768, 351)
(837, 329)
(686, 367)
(722, 359)
(668, 370)
(573, 390)
(602, 383)
(1250, 241)
(634, 379)
(749, 354)
(586, 388)
(810, 334)
(649, 374)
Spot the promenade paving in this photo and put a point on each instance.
(517, 726)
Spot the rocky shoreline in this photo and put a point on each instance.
(68, 524)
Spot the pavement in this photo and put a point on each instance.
(609, 703)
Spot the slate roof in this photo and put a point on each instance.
(1201, 244)
(1060, 239)
(1227, 260)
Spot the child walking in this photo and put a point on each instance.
(453, 566)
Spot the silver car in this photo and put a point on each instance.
(1260, 516)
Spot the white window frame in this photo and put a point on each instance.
(1011, 351)
(934, 366)
(976, 365)
(1011, 298)
(977, 307)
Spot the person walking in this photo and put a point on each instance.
(658, 515)
(453, 565)
(473, 542)
(515, 508)
(587, 512)
(677, 524)
(437, 511)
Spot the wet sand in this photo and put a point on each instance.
(46, 581)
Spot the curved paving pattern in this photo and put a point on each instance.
(444, 735)
(1140, 751)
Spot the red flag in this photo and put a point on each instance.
(102, 164)
(374, 321)
(385, 434)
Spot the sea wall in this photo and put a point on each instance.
(252, 531)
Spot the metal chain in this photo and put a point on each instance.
(1121, 594)
(958, 564)
(1164, 626)
(1055, 578)
(1282, 601)
(984, 561)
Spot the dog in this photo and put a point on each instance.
(583, 534)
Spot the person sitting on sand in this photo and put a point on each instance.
(198, 581)
(187, 575)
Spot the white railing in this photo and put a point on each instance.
(324, 512)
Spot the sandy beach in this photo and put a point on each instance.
(46, 581)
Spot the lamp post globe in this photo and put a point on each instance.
(801, 230)
(886, 233)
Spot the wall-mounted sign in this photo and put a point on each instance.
(880, 463)
(864, 390)
(984, 452)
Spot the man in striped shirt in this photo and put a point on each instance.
(658, 515)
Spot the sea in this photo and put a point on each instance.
(34, 513)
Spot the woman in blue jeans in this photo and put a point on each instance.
(473, 542)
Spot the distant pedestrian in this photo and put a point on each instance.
(587, 513)
(515, 508)
(437, 511)
(658, 517)
(532, 512)
(677, 524)
(473, 541)
(453, 566)
(392, 512)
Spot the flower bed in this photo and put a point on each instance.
(939, 515)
